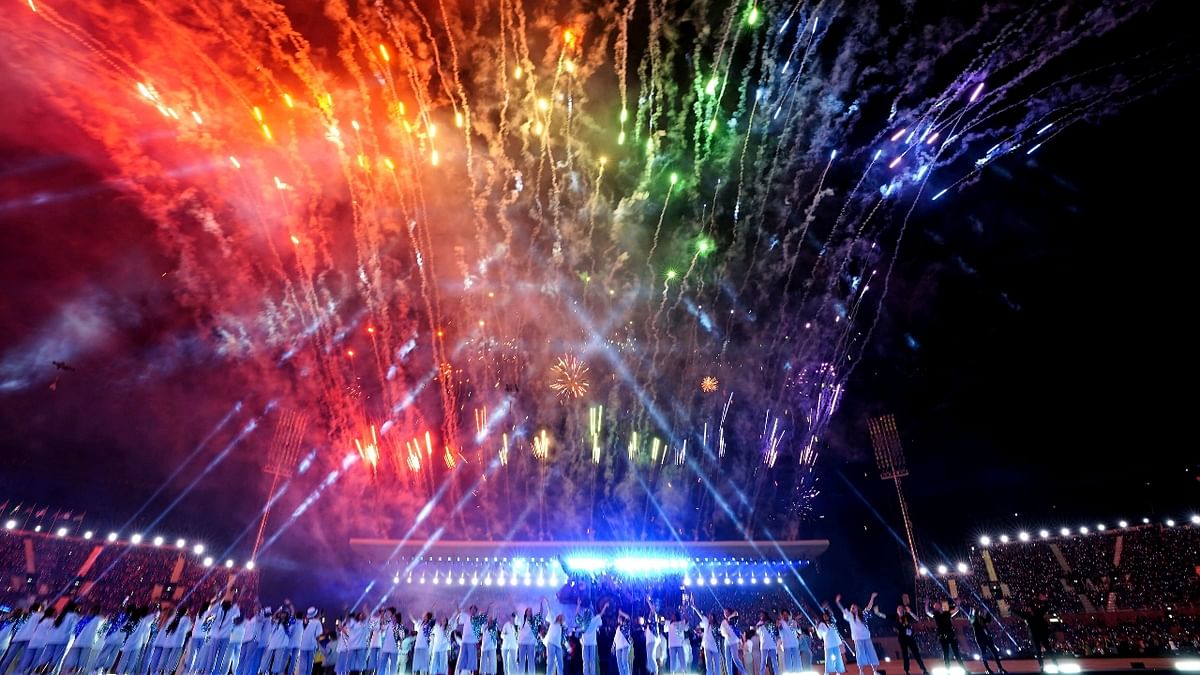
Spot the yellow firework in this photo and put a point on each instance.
(709, 384)
(569, 377)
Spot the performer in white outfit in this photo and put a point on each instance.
(708, 642)
(488, 642)
(57, 637)
(864, 647)
(528, 627)
(439, 648)
(508, 645)
(621, 644)
(790, 642)
(828, 632)
(21, 633)
(87, 637)
(279, 644)
(768, 642)
(423, 628)
(223, 618)
(733, 655)
(309, 631)
(392, 632)
(588, 626)
(176, 635)
(554, 646)
(471, 622)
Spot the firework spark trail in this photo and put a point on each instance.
(408, 230)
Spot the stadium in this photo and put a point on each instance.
(597, 337)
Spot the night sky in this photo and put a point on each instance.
(1036, 350)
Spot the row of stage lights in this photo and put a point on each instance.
(137, 540)
(545, 572)
(943, 570)
(986, 541)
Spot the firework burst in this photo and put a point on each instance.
(709, 384)
(570, 377)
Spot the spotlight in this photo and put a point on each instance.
(158, 541)
(1123, 523)
(1044, 533)
(1069, 668)
(37, 528)
(62, 532)
(88, 535)
(198, 549)
(10, 525)
(1170, 522)
(1004, 539)
(1083, 530)
(1066, 532)
(924, 571)
(699, 581)
(396, 579)
(767, 580)
(180, 543)
(985, 540)
(1024, 536)
(942, 569)
(1145, 521)
(136, 539)
(1101, 527)
(112, 536)
(250, 564)
(208, 562)
(1188, 666)
(962, 568)
(228, 564)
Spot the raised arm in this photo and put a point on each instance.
(871, 603)
(928, 612)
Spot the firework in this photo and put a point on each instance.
(570, 377)
(709, 384)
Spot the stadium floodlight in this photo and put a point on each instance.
(158, 541)
(1083, 530)
(1044, 534)
(112, 536)
(1189, 666)
(961, 567)
(250, 564)
(1004, 539)
(1066, 532)
(1145, 521)
(985, 541)
(1195, 519)
(585, 563)
(89, 534)
(923, 571)
(208, 562)
(942, 569)
(1170, 522)
(229, 564)
(62, 532)
(198, 549)
(180, 543)
(1101, 527)
(136, 539)
(1123, 523)
(1023, 536)
(396, 579)
(10, 525)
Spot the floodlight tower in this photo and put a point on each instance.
(889, 457)
(281, 462)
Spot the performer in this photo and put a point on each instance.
(472, 622)
(789, 641)
(708, 642)
(904, 621)
(943, 617)
(223, 618)
(588, 625)
(57, 636)
(133, 655)
(25, 624)
(488, 642)
(768, 640)
(279, 643)
(864, 647)
(676, 628)
(37, 642)
(1036, 615)
(201, 628)
(423, 628)
(804, 645)
(358, 638)
(554, 646)
(87, 633)
(651, 637)
(733, 657)
(114, 639)
(439, 648)
(620, 646)
(827, 630)
(527, 632)
(393, 633)
(252, 645)
(310, 632)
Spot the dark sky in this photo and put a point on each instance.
(1036, 350)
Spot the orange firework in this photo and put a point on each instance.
(569, 377)
(709, 384)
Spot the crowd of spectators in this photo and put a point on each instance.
(106, 574)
